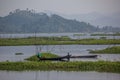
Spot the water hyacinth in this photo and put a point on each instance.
(100, 66)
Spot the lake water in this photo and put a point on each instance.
(56, 75)
(8, 52)
(71, 35)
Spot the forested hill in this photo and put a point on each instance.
(27, 21)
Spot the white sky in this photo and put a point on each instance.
(62, 6)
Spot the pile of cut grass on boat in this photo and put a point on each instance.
(44, 55)
(109, 50)
(100, 66)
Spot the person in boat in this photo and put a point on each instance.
(39, 55)
(68, 56)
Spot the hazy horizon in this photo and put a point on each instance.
(62, 6)
(96, 12)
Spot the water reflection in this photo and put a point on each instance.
(57, 75)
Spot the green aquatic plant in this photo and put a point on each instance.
(34, 64)
(112, 34)
(100, 66)
(55, 41)
(109, 50)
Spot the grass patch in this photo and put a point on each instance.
(100, 66)
(34, 64)
(45, 55)
(82, 34)
(55, 41)
(115, 34)
(109, 50)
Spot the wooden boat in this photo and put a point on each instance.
(85, 56)
(67, 57)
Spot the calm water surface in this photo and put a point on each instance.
(8, 52)
(71, 35)
(57, 75)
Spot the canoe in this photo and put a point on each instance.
(67, 57)
(85, 56)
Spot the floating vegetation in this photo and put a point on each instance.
(109, 50)
(55, 41)
(100, 66)
(82, 34)
(34, 64)
(115, 34)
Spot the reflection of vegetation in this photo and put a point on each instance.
(116, 34)
(18, 53)
(111, 50)
(45, 55)
(54, 41)
(102, 66)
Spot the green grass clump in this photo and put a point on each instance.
(100, 66)
(109, 50)
(44, 55)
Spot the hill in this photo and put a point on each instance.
(28, 21)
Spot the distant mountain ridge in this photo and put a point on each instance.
(96, 18)
(28, 21)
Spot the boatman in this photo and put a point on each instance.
(39, 55)
(68, 56)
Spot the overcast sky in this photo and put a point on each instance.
(62, 6)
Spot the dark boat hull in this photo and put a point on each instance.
(85, 56)
(67, 58)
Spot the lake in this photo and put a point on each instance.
(57, 75)
(8, 52)
(71, 35)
